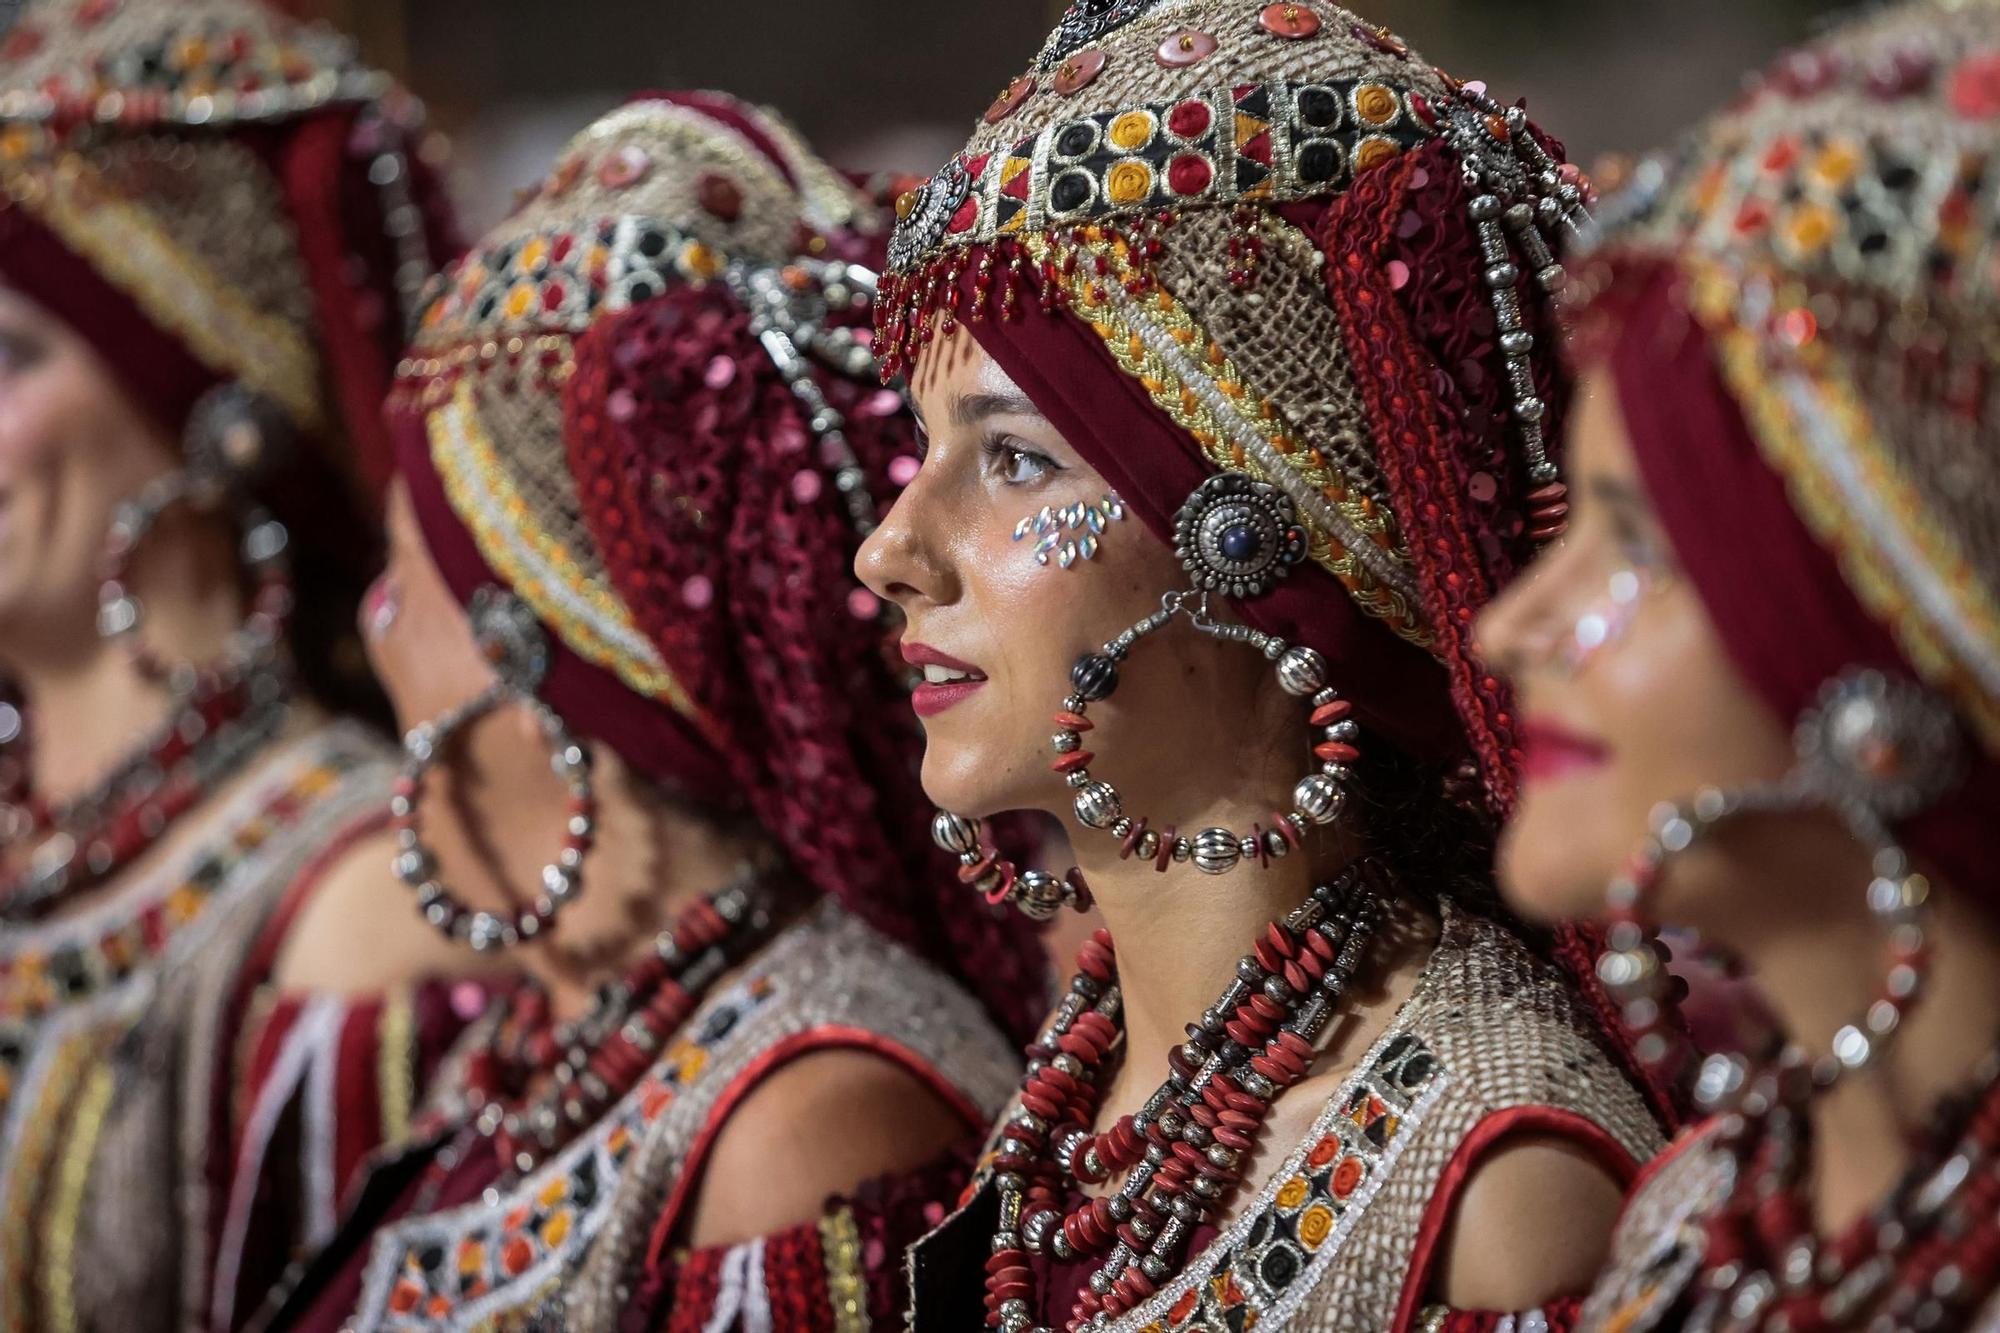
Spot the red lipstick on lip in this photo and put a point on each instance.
(929, 700)
(1549, 750)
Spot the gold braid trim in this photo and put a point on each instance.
(171, 286)
(396, 1064)
(71, 1183)
(1183, 404)
(840, 1241)
(587, 615)
(30, 1241)
(1870, 568)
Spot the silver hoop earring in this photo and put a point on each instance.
(513, 640)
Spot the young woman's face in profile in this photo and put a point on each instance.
(996, 631)
(1626, 697)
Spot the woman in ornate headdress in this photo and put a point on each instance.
(657, 759)
(211, 220)
(1224, 329)
(1761, 680)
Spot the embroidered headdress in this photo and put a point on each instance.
(211, 193)
(1812, 282)
(645, 406)
(1311, 258)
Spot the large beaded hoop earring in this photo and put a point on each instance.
(232, 435)
(1874, 749)
(1236, 537)
(513, 640)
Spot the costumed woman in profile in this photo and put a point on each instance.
(1761, 679)
(214, 225)
(1224, 330)
(658, 757)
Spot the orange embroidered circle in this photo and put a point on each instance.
(1809, 228)
(1132, 130)
(1836, 163)
(520, 301)
(1293, 1192)
(1346, 1176)
(1314, 1225)
(1128, 183)
(1373, 152)
(1375, 104)
(1323, 1152)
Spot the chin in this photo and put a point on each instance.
(1548, 871)
(965, 781)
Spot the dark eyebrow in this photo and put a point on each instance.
(973, 408)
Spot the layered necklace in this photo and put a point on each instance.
(1187, 1148)
(221, 719)
(1925, 1258)
(536, 1084)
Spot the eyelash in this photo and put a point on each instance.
(1000, 452)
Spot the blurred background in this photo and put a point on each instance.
(895, 84)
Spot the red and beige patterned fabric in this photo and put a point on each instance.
(1346, 1232)
(119, 1025)
(451, 1245)
(210, 192)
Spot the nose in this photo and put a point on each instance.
(898, 562)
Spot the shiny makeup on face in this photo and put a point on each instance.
(1065, 534)
(947, 681)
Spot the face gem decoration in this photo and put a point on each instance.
(1238, 537)
(1070, 533)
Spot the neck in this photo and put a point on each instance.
(650, 861)
(1824, 974)
(1180, 934)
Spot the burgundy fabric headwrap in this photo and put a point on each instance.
(1775, 595)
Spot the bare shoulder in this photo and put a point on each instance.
(1489, 1261)
(358, 931)
(821, 1125)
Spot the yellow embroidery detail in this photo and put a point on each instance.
(1183, 404)
(840, 1242)
(582, 610)
(396, 1064)
(86, 1121)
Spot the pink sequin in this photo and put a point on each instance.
(721, 373)
(863, 604)
(1399, 275)
(806, 485)
(468, 1000)
(903, 469)
(621, 405)
(882, 403)
(698, 592)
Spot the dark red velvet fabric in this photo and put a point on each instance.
(1774, 593)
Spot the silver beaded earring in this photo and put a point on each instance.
(513, 640)
(1875, 750)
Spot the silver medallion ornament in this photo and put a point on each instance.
(1238, 537)
(511, 638)
(1883, 745)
